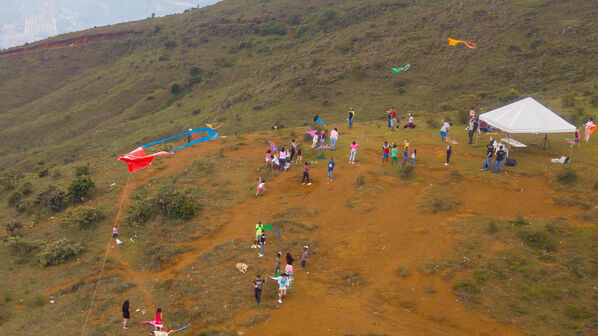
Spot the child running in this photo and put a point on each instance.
(283, 283)
(353, 152)
(393, 155)
(306, 173)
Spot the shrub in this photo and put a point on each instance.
(43, 173)
(83, 217)
(273, 28)
(59, 252)
(567, 176)
(492, 227)
(80, 187)
(8, 181)
(26, 188)
(466, 290)
(175, 88)
(538, 239)
(13, 225)
(20, 246)
(140, 212)
(403, 271)
(14, 198)
(181, 207)
(81, 170)
(438, 201)
(55, 200)
(509, 96)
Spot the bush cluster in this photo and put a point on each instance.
(45, 254)
(83, 217)
(167, 202)
(80, 187)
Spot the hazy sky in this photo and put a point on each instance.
(72, 15)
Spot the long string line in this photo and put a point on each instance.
(105, 256)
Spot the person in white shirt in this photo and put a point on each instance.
(282, 159)
(333, 138)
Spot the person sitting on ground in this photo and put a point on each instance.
(275, 162)
(314, 143)
(286, 167)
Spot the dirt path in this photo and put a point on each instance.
(364, 244)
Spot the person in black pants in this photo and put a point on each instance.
(449, 150)
(257, 286)
(126, 314)
(306, 173)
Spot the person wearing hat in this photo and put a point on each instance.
(189, 135)
(304, 256)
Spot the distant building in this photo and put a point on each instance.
(35, 25)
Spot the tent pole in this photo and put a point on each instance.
(508, 144)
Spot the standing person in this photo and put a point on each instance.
(353, 152)
(472, 113)
(262, 242)
(283, 282)
(306, 174)
(282, 158)
(470, 131)
(289, 267)
(126, 314)
(588, 126)
(299, 156)
(500, 155)
(394, 157)
(351, 117)
(449, 150)
(257, 288)
(323, 136)
(405, 156)
(411, 123)
(304, 256)
(114, 232)
(315, 140)
(260, 187)
(159, 323)
(259, 227)
(392, 118)
(189, 135)
(385, 152)
(293, 149)
(268, 158)
(278, 255)
(444, 130)
(489, 153)
(333, 138)
(330, 168)
(413, 157)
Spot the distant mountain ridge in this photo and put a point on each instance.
(31, 20)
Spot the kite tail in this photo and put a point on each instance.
(277, 232)
(183, 328)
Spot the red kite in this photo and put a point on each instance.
(137, 159)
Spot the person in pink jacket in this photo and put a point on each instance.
(353, 152)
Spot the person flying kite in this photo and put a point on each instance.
(470, 45)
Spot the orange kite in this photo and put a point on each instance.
(470, 45)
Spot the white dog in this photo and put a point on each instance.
(241, 267)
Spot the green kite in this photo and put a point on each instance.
(397, 70)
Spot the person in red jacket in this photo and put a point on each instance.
(159, 324)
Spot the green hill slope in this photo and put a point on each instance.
(251, 64)
(300, 58)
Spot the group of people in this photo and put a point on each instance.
(158, 323)
(494, 149)
(394, 121)
(283, 279)
(392, 151)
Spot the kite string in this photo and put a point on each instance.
(105, 256)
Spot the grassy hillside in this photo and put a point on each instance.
(301, 58)
(433, 250)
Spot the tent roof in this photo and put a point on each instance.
(526, 116)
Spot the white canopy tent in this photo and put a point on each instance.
(527, 116)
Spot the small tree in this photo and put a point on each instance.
(13, 225)
(14, 198)
(80, 188)
(175, 88)
(55, 200)
(26, 188)
(84, 217)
